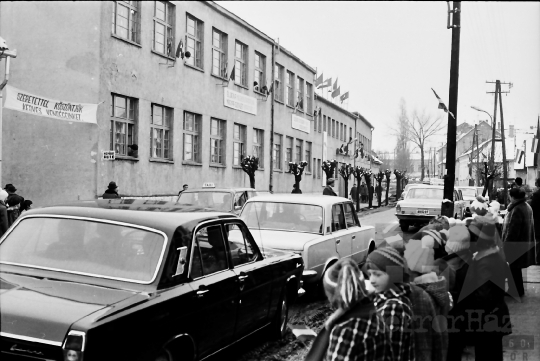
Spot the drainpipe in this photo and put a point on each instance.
(271, 180)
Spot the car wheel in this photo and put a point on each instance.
(404, 227)
(279, 324)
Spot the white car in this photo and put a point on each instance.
(321, 228)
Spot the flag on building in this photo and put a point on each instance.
(334, 87)
(232, 72)
(319, 81)
(442, 105)
(335, 93)
(326, 83)
(344, 96)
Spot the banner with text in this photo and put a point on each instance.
(300, 123)
(25, 102)
(239, 101)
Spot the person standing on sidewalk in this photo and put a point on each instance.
(111, 192)
(518, 237)
(328, 190)
(363, 192)
(535, 205)
(354, 193)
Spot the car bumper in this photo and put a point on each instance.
(415, 218)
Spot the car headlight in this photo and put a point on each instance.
(73, 347)
(398, 208)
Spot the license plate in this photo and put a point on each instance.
(422, 211)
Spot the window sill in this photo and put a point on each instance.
(126, 40)
(162, 55)
(193, 67)
(241, 86)
(189, 162)
(161, 160)
(260, 169)
(279, 101)
(216, 165)
(278, 170)
(125, 157)
(259, 93)
(289, 106)
(219, 77)
(237, 167)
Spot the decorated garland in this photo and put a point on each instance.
(249, 165)
(329, 167)
(297, 170)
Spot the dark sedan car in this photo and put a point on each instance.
(94, 283)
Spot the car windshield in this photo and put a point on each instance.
(84, 247)
(468, 192)
(283, 216)
(425, 193)
(220, 201)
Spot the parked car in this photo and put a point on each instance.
(423, 203)
(210, 198)
(132, 279)
(407, 187)
(321, 228)
(469, 196)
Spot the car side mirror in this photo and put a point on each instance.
(181, 261)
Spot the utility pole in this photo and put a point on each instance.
(271, 179)
(498, 96)
(477, 157)
(447, 207)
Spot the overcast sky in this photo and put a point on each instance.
(385, 51)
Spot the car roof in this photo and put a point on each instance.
(319, 200)
(429, 186)
(209, 189)
(164, 216)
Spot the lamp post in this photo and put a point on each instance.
(7, 54)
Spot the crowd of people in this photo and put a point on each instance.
(444, 289)
(11, 206)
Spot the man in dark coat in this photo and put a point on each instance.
(518, 237)
(363, 192)
(4, 224)
(371, 192)
(111, 192)
(535, 205)
(354, 192)
(13, 202)
(328, 191)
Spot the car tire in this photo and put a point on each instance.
(278, 327)
(404, 227)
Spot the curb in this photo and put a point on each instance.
(366, 211)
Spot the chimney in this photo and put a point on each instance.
(511, 131)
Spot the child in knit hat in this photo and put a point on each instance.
(355, 331)
(386, 269)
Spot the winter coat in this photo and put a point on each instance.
(430, 304)
(363, 190)
(518, 235)
(484, 292)
(354, 193)
(110, 193)
(13, 200)
(4, 224)
(394, 305)
(356, 335)
(535, 205)
(328, 191)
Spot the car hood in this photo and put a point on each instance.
(45, 309)
(282, 240)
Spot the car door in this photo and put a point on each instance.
(216, 289)
(240, 198)
(341, 235)
(359, 239)
(254, 279)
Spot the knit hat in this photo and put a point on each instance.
(344, 284)
(388, 260)
(494, 207)
(479, 206)
(420, 255)
(458, 240)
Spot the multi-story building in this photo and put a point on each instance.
(193, 118)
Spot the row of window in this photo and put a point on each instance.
(126, 25)
(291, 145)
(123, 133)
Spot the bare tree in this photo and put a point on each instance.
(419, 128)
(402, 155)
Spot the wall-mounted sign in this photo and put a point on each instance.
(108, 154)
(25, 102)
(300, 123)
(239, 101)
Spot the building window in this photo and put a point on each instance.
(319, 167)
(300, 93)
(160, 131)
(350, 132)
(163, 28)
(125, 20)
(320, 120)
(260, 71)
(298, 150)
(239, 140)
(333, 128)
(217, 141)
(278, 81)
(308, 156)
(194, 41)
(329, 127)
(315, 163)
(276, 154)
(288, 151)
(240, 63)
(290, 93)
(309, 104)
(324, 123)
(123, 122)
(315, 125)
(258, 145)
(219, 53)
(192, 133)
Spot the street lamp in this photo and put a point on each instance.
(481, 110)
(8, 54)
